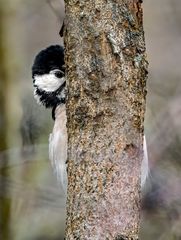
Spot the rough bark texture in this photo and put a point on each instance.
(106, 74)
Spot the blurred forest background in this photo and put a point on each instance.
(32, 205)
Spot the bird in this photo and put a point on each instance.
(48, 73)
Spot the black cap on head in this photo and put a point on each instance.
(48, 59)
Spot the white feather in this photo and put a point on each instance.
(144, 165)
(61, 94)
(48, 82)
(58, 145)
(37, 97)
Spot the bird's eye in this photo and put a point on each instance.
(57, 73)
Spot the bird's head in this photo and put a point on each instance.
(48, 73)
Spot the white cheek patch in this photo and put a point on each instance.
(48, 82)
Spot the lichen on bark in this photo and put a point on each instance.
(106, 79)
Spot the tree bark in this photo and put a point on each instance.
(106, 79)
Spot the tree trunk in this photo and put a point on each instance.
(106, 79)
